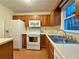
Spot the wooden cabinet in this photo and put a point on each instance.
(43, 40)
(50, 48)
(51, 53)
(1, 52)
(24, 40)
(45, 19)
(6, 50)
(55, 17)
(52, 19)
(46, 43)
(77, 8)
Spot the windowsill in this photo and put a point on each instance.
(72, 31)
(70, 16)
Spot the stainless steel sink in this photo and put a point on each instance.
(62, 40)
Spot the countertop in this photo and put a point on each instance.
(70, 51)
(4, 40)
(66, 51)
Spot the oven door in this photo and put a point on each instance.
(33, 39)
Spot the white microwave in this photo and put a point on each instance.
(34, 23)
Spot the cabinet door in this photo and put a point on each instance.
(50, 49)
(45, 19)
(8, 53)
(43, 40)
(1, 52)
(24, 39)
(77, 8)
(52, 19)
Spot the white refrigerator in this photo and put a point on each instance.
(17, 28)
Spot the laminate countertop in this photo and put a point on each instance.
(66, 51)
(4, 40)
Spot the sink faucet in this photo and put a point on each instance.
(63, 32)
(73, 39)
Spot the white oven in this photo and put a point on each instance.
(33, 41)
(33, 35)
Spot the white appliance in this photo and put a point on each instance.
(17, 28)
(34, 23)
(33, 35)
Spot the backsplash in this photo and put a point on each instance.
(50, 30)
(74, 35)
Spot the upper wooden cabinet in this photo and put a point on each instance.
(77, 8)
(45, 19)
(55, 17)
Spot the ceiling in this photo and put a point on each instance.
(21, 6)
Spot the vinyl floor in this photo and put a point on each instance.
(30, 54)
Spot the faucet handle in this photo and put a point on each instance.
(71, 37)
(67, 36)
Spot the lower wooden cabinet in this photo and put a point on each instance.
(6, 50)
(51, 53)
(47, 44)
(50, 49)
(1, 52)
(43, 40)
(24, 40)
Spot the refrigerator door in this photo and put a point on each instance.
(16, 31)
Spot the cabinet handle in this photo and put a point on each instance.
(51, 50)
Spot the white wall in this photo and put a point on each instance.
(5, 15)
(62, 18)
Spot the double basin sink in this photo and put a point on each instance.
(61, 40)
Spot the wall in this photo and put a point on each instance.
(50, 29)
(62, 18)
(5, 15)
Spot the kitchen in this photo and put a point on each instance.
(39, 29)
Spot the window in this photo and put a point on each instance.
(70, 22)
(70, 10)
